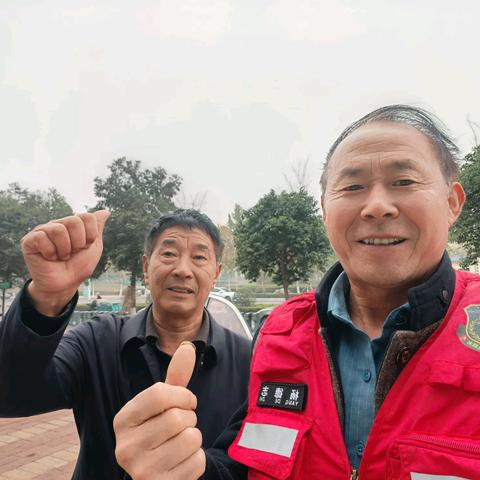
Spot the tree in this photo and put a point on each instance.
(136, 197)
(20, 211)
(282, 236)
(467, 228)
(229, 253)
(235, 218)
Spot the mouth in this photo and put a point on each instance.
(184, 290)
(382, 241)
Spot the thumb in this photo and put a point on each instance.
(181, 365)
(101, 216)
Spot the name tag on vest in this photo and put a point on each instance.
(289, 396)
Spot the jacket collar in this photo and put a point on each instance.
(428, 301)
(134, 332)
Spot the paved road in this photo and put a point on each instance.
(44, 447)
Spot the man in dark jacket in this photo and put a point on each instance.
(101, 365)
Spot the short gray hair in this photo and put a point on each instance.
(418, 118)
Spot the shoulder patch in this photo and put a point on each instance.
(469, 334)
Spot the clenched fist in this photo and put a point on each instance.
(60, 255)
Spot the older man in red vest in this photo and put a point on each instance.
(376, 374)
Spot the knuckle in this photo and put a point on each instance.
(118, 422)
(137, 472)
(194, 418)
(54, 228)
(177, 416)
(27, 238)
(157, 388)
(38, 228)
(193, 437)
(123, 455)
(73, 219)
(86, 217)
(200, 461)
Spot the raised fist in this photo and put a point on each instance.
(60, 255)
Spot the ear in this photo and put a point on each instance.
(324, 213)
(145, 268)
(456, 200)
(218, 271)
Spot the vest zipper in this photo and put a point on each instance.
(440, 442)
(354, 474)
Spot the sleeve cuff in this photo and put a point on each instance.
(41, 324)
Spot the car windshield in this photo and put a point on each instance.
(228, 316)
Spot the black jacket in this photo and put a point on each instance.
(98, 366)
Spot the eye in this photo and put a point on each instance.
(404, 182)
(353, 188)
(168, 254)
(200, 257)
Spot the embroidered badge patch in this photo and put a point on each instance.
(469, 334)
(290, 396)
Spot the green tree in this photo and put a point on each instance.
(235, 218)
(20, 211)
(229, 253)
(136, 197)
(467, 228)
(282, 236)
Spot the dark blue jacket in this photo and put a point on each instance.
(98, 366)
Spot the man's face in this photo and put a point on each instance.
(181, 271)
(387, 207)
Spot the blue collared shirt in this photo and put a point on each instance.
(359, 360)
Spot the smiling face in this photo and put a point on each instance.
(180, 272)
(387, 206)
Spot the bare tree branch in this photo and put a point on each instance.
(473, 126)
(299, 178)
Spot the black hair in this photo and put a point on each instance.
(423, 121)
(185, 218)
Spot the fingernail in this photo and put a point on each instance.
(186, 342)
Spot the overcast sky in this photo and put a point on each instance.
(227, 93)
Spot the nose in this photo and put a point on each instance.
(379, 204)
(183, 268)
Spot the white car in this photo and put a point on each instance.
(223, 292)
(227, 315)
(223, 311)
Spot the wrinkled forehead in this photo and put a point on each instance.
(383, 142)
(183, 237)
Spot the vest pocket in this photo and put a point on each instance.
(466, 377)
(430, 457)
(269, 442)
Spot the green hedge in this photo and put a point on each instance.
(255, 308)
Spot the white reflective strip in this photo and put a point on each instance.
(428, 476)
(269, 438)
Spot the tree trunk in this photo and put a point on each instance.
(283, 271)
(129, 300)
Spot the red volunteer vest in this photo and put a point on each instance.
(428, 427)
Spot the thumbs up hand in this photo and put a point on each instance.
(155, 431)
